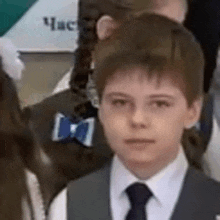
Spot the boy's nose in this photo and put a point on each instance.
(139, 119)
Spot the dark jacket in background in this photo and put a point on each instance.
(203, 20)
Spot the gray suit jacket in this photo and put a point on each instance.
(89, 197)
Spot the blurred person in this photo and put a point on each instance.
(28, 179)
(21, 194)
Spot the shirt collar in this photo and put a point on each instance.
(167, 182)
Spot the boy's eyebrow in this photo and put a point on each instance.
(118, 94)
(161, 96)
(150, 96)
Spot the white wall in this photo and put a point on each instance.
(35, 30)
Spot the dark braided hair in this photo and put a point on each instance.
(90, 11)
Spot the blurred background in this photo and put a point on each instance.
(42, 72)
(45, 32)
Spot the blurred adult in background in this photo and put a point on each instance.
(203, 19)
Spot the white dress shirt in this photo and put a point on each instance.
(165, 186)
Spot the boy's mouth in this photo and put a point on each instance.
(139, 144)
(139, 141)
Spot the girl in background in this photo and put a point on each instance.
(12, 133)
(24, 191)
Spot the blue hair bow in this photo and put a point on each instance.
(66, 130)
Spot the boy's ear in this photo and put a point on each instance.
(105, 26)
(194, 113)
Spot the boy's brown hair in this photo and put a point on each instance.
(162, 46)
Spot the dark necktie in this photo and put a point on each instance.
(138, 195)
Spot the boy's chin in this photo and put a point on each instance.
(138, 161)
(153, 163)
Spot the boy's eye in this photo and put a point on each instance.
(160, 104)
(119, 102)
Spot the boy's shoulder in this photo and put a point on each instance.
(197, 178)
(199, 197)
(92, 180)
(199, 194)
(193, 178)
(196, 184)
(88, 197)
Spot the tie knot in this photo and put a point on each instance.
(138, 194)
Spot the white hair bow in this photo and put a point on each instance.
(12, 65)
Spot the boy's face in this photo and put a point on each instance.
(144, 122)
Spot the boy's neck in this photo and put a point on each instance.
(144, 171)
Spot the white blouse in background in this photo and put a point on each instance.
(36, 210)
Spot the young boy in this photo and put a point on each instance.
(149, 78)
